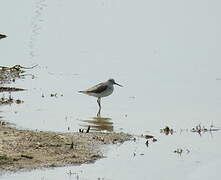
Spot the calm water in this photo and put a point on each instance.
(165, 53)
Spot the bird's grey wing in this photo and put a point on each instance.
(98, 88)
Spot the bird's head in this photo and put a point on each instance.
(112, 81)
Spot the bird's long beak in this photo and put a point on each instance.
(2, 36)
(118, 84)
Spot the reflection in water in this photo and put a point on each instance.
(99, 124)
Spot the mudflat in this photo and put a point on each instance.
(28, 149)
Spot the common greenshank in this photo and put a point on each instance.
(101, 90)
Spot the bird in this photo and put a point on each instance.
(101, 90)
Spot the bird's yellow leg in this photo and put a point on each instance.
(99, 103)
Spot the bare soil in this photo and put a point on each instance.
(27, 149)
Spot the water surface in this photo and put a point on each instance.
(166, 54)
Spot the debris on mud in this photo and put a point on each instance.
(56, 95)
(3, 123)
(86, 130)
(202, 129)
(16, 67)
(9, 74)
(27, 149)
(180, 151)
(10, 89)
(9, 100)
(149, 137)
(167, 130)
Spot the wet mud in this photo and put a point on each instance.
(28, 149)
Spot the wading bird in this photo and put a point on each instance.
(101, 90)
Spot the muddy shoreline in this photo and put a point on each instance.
(28, 149)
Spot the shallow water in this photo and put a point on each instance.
(168, 61)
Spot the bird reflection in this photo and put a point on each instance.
(99, 124)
